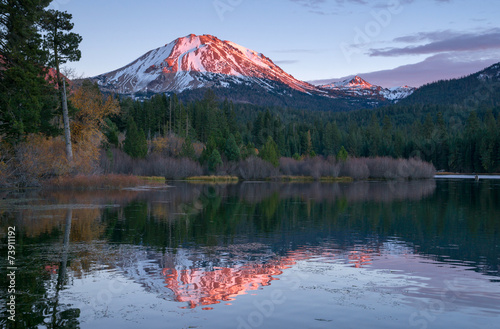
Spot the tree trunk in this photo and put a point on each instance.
(67, 131)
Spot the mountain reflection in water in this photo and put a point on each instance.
(202, 245)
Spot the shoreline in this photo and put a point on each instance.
(114, 181)
(466, 176)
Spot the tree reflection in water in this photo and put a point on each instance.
(208, 244)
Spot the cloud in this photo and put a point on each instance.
(286, 62)
(337, 7)
(297, 51)
(318, 3)
(309, 3)
(441, 42)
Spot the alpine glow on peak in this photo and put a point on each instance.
(196, 61)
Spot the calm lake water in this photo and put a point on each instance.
(421, 254)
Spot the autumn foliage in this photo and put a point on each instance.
(40, 157)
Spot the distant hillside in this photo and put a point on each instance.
(478, 89)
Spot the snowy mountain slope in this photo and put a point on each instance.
(359, 87)
(194, 62)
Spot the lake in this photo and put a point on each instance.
(418, 254)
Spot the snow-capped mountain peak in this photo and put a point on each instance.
(357, 86)
(204, 61)
(197, 61)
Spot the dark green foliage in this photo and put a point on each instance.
(473, 91)
(135, 143)
(27, 100)
(187, 150)
(342, 155)
(269, 152)
(61, 45)
(248, 151)
(441, 134)
(232, 151)
(214, 160)
(111, 132)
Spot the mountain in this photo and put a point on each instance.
(192, 64)
(359, 87)
(481, 88)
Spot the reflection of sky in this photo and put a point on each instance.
(327, 282)
(327, 276)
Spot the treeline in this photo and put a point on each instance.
(451, 137)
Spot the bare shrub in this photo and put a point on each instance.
(316, 167)
(181, 168)
(380, 167)
(118, 162)
(6, 169)
(420, 169)
(289, 166)
(389, 168)
(355, 168)
(39, 158)
(255, 168)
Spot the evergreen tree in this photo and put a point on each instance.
(27, 100)
(472, 155)
(187, 150)
(270, 152)
(306, 143)
(232, 151)
(111, 132)
(135, 143)
(443, 149)
(248, 151)
(214, 160)
(373, 137)
(342, 155)
(62, 46)
(208, 150)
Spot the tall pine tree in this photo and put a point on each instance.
(27, 100)
(135, 143)
(62, 46)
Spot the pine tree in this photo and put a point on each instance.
(270, 152)
(342, 155)
(62, 46)
(187, 150)
(27, 100)
(232, 151)
(373, 136)
(214, 160)
(135, 143)
(443, 149)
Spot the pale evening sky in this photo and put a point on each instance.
(388, 42)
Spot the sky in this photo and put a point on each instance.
(387, 42)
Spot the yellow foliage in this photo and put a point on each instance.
(86, 126)
(167, 146)
(43, 157)
(92, 108)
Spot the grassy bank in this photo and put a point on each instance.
(212, 179)
(98, 182)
